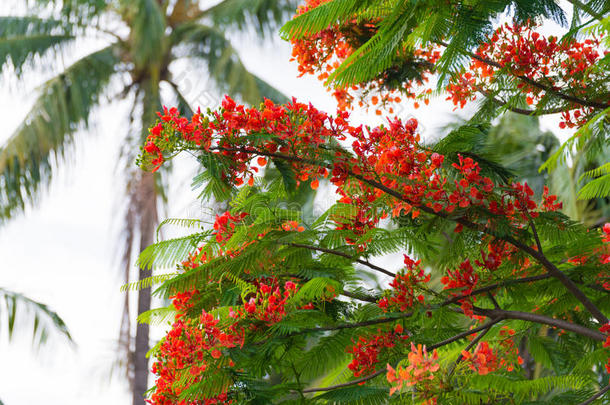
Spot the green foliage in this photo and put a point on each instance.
(17, 309)
(168, 253)
(265, 15)
(356, 396)
(64, 104)
(210, 45)
(22, 39)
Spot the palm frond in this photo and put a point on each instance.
(22, 39)
(63, 106)
(265, 15)
(209, 45)
(147, 23)
(19, 309)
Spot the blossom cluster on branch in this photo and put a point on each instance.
(386, 173)
(515, 60)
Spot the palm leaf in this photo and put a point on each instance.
(24, 38)
(64, 104)
(44, 321)
(265, 15)
(224, 64)
(147, 23)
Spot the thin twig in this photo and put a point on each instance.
(538, 244)
(341, 254)
(493, 300)
(505, 104)
(599, 394)
(471, 345)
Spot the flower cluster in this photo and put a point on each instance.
(419, 372)
(509, 349)
(366, 351)
(464, 280)
(403, 295)
(483, 359)
(224, 226)
(321, 53)
(606, 329)
(533, 58)
(269, 304)
(193, 347)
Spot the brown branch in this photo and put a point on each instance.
(599, 394)
(497, 285)
(516, 110)
(341, 254)
(536, 318)
(353, 325)
(538, 256)
(535, 233)
(493, 300)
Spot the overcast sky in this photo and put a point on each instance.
(63, 252)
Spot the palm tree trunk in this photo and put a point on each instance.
(147, 201)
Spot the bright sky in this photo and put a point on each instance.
(62, 253)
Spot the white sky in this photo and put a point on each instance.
(62, 253)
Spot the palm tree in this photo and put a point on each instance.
(141, 42)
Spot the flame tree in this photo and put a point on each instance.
(269, 307)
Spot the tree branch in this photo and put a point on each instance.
(341, 254)
(516, 110)
(548, 89)
(597, 395)
(536, 318)
(539, 256)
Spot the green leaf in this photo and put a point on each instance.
(63, 106)
(168, 253)
(288, 175)
(598, 188)
(208, 44)
(366, 395)
(22, 39)
(21, 309)
(265, 15)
